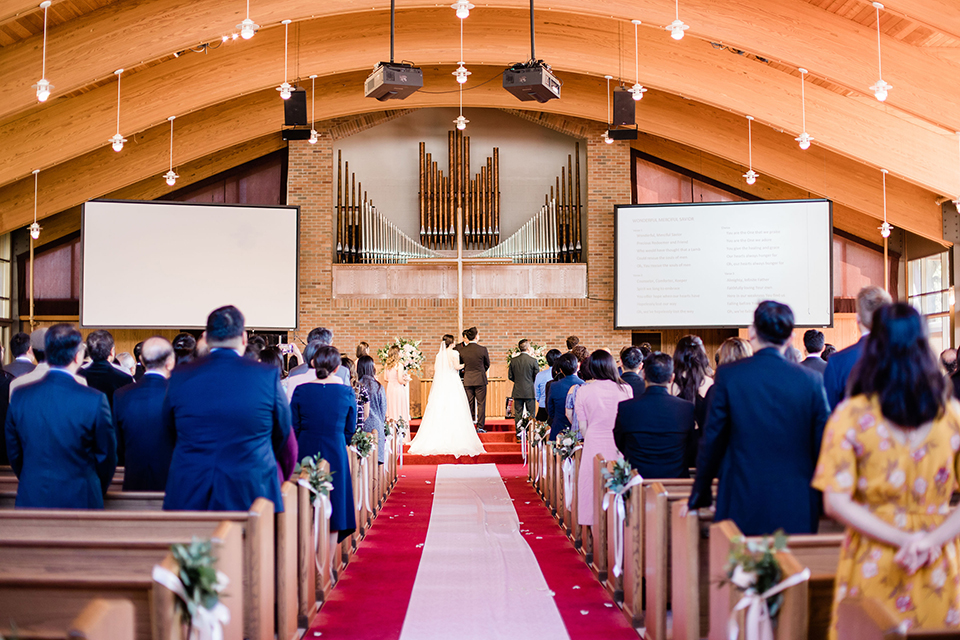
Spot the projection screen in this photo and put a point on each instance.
(709, 264)
(169, 264)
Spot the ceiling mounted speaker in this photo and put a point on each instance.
(295, 109)
(624, 107)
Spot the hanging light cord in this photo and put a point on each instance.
(803, 102)
(118, 103)
(43, 57)
(678, 9)
(636, 51)
(750, 141)
(171, 144)
(879, 57)
(313, 103)
(36, 178)
(609, 116)
(248, 9)
(884, 174)
(286, 39)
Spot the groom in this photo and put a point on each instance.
(476, 361)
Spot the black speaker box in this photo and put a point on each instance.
(624, 107)
(622, 134)
(295, 134)
(295, 108)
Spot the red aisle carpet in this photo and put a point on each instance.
(372, 598)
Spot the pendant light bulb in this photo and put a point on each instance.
(606, 137)
(313, 110)
(35, 227)
(804, 138)
(314, 137)
(461, 73)
(463, 8)
(880, 88)
(171, 176)
(117, 140)
(35, 231)
(43, 86)
(248, 27)
(285, 87)
(461, 122)
(606, 134)
(677, 27)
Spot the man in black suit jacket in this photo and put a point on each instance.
(631, 359)
(835, 376)
(22, 353)
(762, 435)
(653, 430)
(523, 371)
(813, 344)
(231, 419)
(59, 433)
(100, 374)
(143, 441)
(476, 362)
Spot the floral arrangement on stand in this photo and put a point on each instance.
(411, 357)
(752, 567)
(536, 351)
(363, 443)
(198, 586)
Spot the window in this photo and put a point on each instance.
(57, 272)
(928, 282)
(6, 285)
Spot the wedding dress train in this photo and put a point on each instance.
(447, 427)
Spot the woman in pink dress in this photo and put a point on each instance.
(596, 409)
(398, 393)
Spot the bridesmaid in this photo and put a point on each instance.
(398, 393)
(324, 415)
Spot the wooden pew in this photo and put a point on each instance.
(656, 559)
(571, 516)
(861, 618)
(599, 529)
(48, 586)
(100, 619)
(690, 575)
(312, 586)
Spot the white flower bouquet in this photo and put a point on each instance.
(536, 351)
(411, 357)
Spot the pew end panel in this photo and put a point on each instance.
(287, 524)
(103, 620)
(599, 528)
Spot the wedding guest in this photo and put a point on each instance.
(645, 349)
(555, 374)
(184, 346)
(596, 409)
(948, 362)
(363, 396)
(813, 344)
(571, 400)
(632, 359)
(888, 467)
(324, 415)
(271, 356)
(325, 337)
(731, 350)
(692, 380)
(567, 365)
(580, 353)
(140, 370)
(100, 374)
(792, 354)
(37, 340)
(127, 364)
(293, 381)
(363, 349)
(22, 355)
(398, 393)
(377, 407)
(572, 342)
(523, 371)
(255, 344)
(542, 380)
(828, 351)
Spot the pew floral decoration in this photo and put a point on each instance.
(618, 483)
(198, 585)
(362, 443)
(319, 482)
(535, 350)
(411, 357)
(568, 443)
(617, 480)
(541, 432)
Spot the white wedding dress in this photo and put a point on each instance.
(447, 427)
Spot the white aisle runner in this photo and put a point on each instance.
(478, 578)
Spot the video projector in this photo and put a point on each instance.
(393, 81)
(532, 81)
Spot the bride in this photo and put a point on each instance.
(447, 427)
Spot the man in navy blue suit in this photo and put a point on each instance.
(60, 433)
(762, 435)
(143, 440)
(557, 398)
(869, 299)
(230, 415)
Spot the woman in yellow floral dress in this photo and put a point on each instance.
(888, 466)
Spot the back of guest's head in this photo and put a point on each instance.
(645, 350)
(326, 361)
(657, 368)
(350, 366)
(869, 299)
(580, 353)
(552, 356)
(733, 349)
(523, 345)
(828, 350)
(471, 333)
(948, 360)
(128, 362)
(324, 335)
(631, 359)
(716, 358)
(898, 368)
(99, 345)
(691, 366)
(813, 341)
(572, 341)
(792, 354)
(773, 322)
(137, 351)
(448, 340)
(273, 357)
(184, 346)
(567, 364)
(584, 370)
(19, 344)
(61, 344)
(363, 349)
(224, 326)
(393, 356)
(309, 351)
(366, 367)
(38, 342)
(603, 366)
(155, 353)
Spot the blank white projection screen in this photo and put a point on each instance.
(165, 265)
(708, 265)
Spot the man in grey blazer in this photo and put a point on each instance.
(22, 352)
(522, 372)
(476, 362)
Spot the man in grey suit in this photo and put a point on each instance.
(22, 353)
(476, 362)
(522, 372)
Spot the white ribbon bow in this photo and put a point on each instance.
(619, 515)
(568, 479)
(523, 445)
(758, 623)
(320, 501)
(208, 622)
(364, 498)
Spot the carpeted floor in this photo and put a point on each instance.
(371, 600)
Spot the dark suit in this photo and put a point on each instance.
(476, 361)
(230, 415)
(838, 371)
(61, 443)
(105, 377)
(652, 432)
(762, 436)
(955, 381)
(815, 363)
(523, 371)
(556, 400)
(635, 380)
(19, 367)
(143, 442)
(139, 373)
(5, 380)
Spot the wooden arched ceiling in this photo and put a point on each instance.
(714, 130)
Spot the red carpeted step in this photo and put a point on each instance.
(483, 458)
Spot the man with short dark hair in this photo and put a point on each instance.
(37, 346)
(653, 429)
(948, 361)
(557, 397)
(100, 374)
(137, 352)
(762, 435)
(813, 344)
(59, 434)
(231, 418)
(631, 359)
(540, 384)
(324, 338)
(184, 347)
(144, 444)
(523, 372)
(476, 362)
(22, 355)
(869, 299)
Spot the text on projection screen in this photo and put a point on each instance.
(148, 264)
(703, 265)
